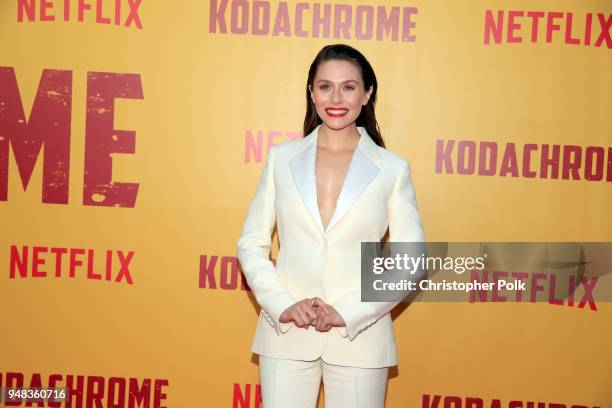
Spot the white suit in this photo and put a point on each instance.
(377, 193)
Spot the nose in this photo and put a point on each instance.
(337, 95)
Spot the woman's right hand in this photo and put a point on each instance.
(301, 313)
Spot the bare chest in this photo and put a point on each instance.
(331, 170)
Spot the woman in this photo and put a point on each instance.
(327, 192)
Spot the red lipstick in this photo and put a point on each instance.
(336, 112)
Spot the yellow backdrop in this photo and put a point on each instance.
(149, 309)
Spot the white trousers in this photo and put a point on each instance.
(295, 384)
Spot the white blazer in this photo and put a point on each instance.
(377, 193)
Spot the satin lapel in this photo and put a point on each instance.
(303, 171)
(360, 173)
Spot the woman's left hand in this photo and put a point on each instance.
(327, 316)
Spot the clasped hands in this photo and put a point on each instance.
(312, 312)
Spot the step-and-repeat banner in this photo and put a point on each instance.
(133, 134)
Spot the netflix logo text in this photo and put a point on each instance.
(556, 290)
(246, 396)
(517, 26)
(256, 142)
(123, 13)
(58, 262)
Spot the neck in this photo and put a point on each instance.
(342, 139)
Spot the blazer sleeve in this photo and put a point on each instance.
(404, 226)
(254, 251)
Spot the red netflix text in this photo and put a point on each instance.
(244, 398)
(47, 262)
(517, 26)
(556, 290)
(106, 12)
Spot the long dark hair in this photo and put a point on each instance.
(367, 117)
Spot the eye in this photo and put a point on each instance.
(323, 87)
(349, 88)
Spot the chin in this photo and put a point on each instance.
(337, 124)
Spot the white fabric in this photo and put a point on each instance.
(377, 195)
(295, 384)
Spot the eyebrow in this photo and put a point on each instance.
(347, 81)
